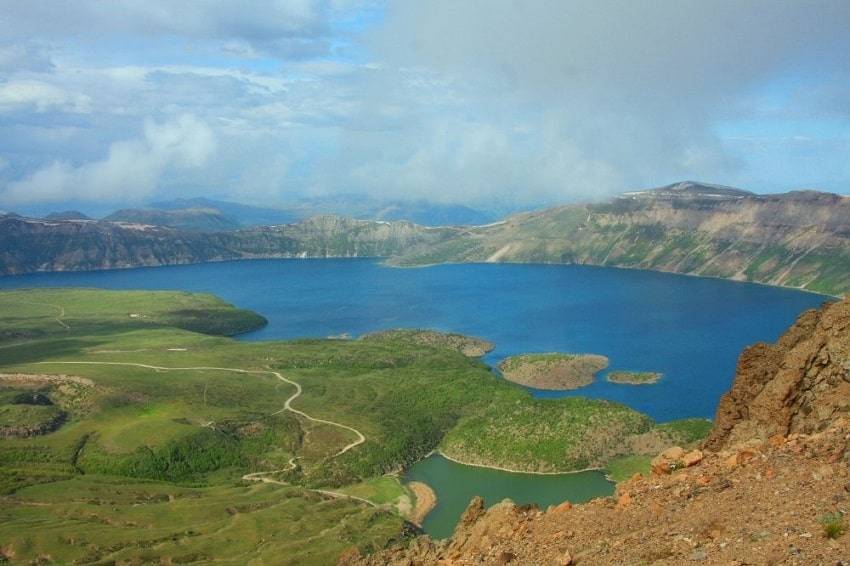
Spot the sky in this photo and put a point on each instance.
(521, 103)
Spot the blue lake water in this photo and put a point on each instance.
(687, 328)
(456, 484)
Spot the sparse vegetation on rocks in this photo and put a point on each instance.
(556, 371)
(467, 345)
(833, 525)
(634, 377)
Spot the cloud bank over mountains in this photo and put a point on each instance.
(522, 102)
(132, 168)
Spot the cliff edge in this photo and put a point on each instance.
(771, 484)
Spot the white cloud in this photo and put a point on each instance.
(292, 28)
(24, 57)
(531, 102)
(132, 169)
(40, 97)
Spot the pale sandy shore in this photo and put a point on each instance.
(426, 500)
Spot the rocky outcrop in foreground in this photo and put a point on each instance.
(771, 485)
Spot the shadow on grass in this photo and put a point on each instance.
(45, 350)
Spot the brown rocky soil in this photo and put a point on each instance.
(775, 466)
(553, 371)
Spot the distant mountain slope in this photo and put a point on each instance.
(67, 215)
(691, 190)
(361, 207)
(192, 219)
(798, 239)
(423, 212)
(244, 215)
(29, 245)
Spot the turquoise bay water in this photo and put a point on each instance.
(689, 329)
(457, 484)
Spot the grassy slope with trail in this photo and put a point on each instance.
(198, 432)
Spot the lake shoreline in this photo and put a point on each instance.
(386, 263)
(426, 501)
(501, 469)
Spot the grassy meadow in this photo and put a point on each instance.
(147, 463)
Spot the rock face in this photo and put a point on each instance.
(28, 245)
(798, 385)
(774, 471)
(675, 458)
(799, 239)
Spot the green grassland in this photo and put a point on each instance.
(545, 435)
(623, 468)
(685, 432)
(37, 313)
(149, 462)
(466, 345)
(107, 520)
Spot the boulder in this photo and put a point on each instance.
(692, 458)
(667, 461)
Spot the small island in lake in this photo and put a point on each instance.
(634, 377)
(553, 371)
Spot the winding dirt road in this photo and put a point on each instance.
(287, 406)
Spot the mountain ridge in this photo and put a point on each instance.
(799, 239)
(198, 219)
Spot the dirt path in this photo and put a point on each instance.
(60, 312)
(287, 406)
